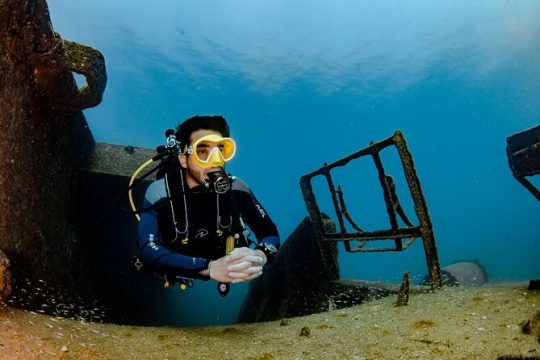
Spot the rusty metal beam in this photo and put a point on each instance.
(420, 206)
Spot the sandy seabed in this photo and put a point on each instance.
(453, 323)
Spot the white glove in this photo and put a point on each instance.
(217, 270)
(245, 264)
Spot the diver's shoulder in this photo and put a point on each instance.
(156, 191)
(239, 185)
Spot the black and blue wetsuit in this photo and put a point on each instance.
(184, 230)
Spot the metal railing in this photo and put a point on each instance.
(400, 237)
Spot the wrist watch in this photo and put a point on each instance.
(269, 250)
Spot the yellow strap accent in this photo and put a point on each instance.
(229, 244)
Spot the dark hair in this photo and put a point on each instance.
(198, 122)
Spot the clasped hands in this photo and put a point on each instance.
(240, 265)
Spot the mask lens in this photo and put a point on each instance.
(228, 148)
(202, 151)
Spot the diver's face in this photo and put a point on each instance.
(196, 173)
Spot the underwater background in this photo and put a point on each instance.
(309, 81)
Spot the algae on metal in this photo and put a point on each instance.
(44, 142)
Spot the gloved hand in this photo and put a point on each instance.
(218, 270)
(245, 264)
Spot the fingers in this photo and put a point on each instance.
(241, 250)
(232, 257)
(246, 254)
(245, 273)
(235, 255)
(254, 259)
(254, 275)
(245, 262)
(240, 265)
(250, 277)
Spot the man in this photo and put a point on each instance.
(196, 223)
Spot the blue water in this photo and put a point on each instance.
(308, 81)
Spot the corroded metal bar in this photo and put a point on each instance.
(315, 217)
(345, 211)
(390, 207)
(375, 235)
(339, 213)
(361, 247)
(374, 147)
(420, 206)
(397, 205)
(527, 184)
(403, 295)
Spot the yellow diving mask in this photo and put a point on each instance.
(212, 150)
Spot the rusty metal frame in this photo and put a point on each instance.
(402, 237)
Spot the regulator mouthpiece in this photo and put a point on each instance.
(218, 182)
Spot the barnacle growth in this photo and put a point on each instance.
(5, 277)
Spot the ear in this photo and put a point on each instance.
(183, 160)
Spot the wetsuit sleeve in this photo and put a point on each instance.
(152, 250)
(254, 215)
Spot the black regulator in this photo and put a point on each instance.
(218, 182)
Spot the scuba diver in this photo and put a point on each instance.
(196, 219)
